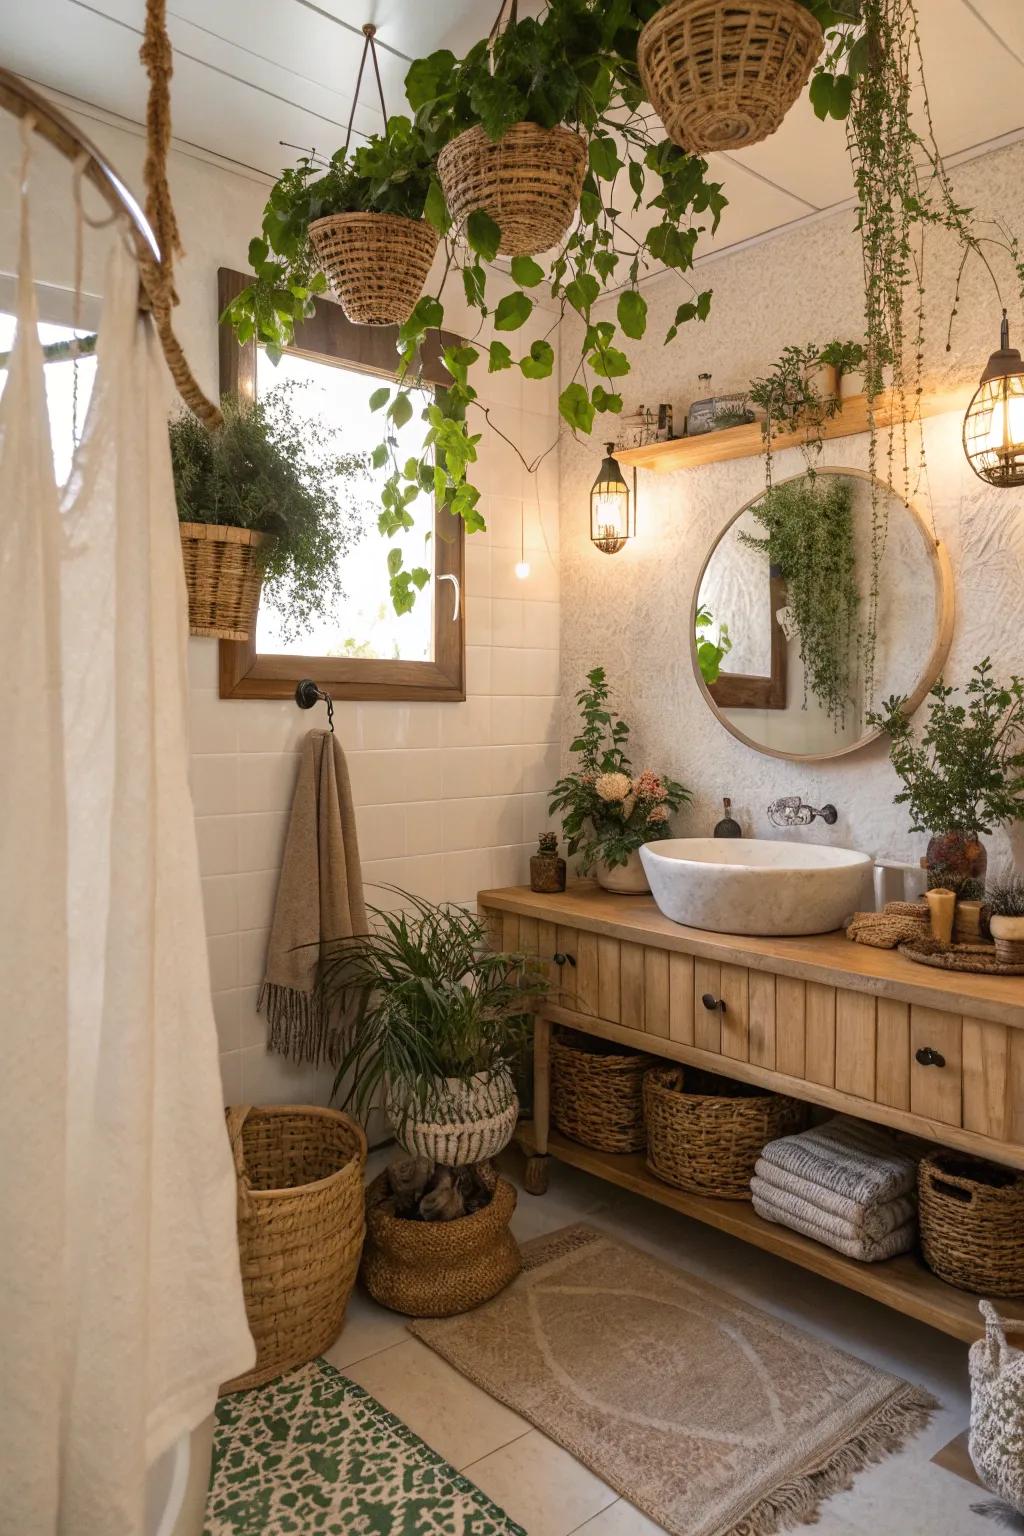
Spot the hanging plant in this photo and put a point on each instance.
(808, 527)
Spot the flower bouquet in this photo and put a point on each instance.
(608, 811)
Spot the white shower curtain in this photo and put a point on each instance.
(120, 1299)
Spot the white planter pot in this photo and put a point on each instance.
(627, 879)
(469, 1122)
(1008, 933)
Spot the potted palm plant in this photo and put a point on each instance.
(437, 1020)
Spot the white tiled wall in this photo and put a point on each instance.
(449, 796)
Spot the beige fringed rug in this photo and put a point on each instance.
(710, 1416)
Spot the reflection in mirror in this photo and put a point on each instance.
(792, 641)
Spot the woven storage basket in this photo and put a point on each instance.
(439, 1268)
(472, 1122)
(705, 1133)
(300, 1228)
(223, 578)
(597, 1092)
(529, 182)
(724, 73)
(972, 1222)
(376, 263)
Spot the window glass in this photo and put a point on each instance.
(365, 624)
(60, 391)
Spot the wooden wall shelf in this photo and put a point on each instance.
(747, 442)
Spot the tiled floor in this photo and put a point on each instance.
(551, 1494)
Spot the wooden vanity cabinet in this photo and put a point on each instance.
(854, 1029)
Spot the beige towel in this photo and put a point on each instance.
(826, 1206)
(866, 1249)
(319, 899)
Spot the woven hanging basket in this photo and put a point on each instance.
(529, 182)
(972, 1222)
(300, 1229)
(705, 1133)
(723, 73)
(224, 577)
(468, 1122)
(376, 263)
(597, 1092)
(439, 1268)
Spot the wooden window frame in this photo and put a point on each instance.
(328, 337)
(741, 690)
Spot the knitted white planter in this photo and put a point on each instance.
(470, 1121)
(997, 1410)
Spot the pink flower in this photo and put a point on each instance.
(658, 816)
(648, 786)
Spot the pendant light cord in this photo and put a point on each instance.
(369, 47)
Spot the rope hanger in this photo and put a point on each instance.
(369, 47)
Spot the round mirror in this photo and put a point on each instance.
(818, 600)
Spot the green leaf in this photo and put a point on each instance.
(632, 313)
(435, 209)
(582, 292)
(258, 252)
(603, 401)
(526, 272)
(379, 456)
(636, 179)
(604, 157)
(483, 234)
(474, 281)
(394, 561)
(401, 410)
(821, 93)
(499, 357)
(512, 312)
(379, 397)
(574, 407)
(540, 362)
(609, 362)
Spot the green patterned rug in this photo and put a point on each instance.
(314, 1453)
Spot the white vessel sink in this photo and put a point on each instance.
(751, 886)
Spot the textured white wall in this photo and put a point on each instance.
(449, 797)
(631, 611)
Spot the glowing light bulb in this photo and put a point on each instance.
(522, 569)
(609, 514)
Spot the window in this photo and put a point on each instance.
(366, 651)
(66, 414)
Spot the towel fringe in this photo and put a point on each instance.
(299, 1027)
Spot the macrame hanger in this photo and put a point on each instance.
(369, 47)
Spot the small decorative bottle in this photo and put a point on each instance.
(547, 870)
(728, 826)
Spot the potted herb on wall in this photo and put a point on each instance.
(965, 776)
(608, 811)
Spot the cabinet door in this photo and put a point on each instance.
(935, 1068)
(707, 1013)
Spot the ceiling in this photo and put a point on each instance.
(254, 75)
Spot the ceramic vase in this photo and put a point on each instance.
(626, 879)
(958, 861)
(1008, 933)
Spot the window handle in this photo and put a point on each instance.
(457, 593)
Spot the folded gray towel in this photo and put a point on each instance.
(853, 1220)
(885, 1218)
(866, 1250)
(858, 1161)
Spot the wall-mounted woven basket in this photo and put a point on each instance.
(597, 1092)
(300, 1228)
(705, 1133)
(224, 577)
(721, 76)
(529, 182)
(439, 1268)
(972, 1222)
(376, 263)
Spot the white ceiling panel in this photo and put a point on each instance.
(806, 157)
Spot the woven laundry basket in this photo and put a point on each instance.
(972, 1222)
(223, 576)
(300, 1228)
(597, 1092)
(376, 263)
(723, 73)
(468, 1122)
(529, 182)
(705, 1133)
(439, 1268)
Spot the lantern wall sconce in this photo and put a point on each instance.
(994, 424)
(612, 507)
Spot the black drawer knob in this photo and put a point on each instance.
(561, 959)
(929, 1057)
(712, 1003)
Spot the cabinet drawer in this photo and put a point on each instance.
(936, 1071)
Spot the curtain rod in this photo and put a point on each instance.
(19, 99)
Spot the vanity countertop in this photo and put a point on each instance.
(829, 958)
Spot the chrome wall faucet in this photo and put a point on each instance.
(791, 811)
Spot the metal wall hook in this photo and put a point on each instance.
(307, 694)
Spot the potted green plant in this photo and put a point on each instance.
(259, 509)
(355, 222)
(436, 1020)
(1005, 899)
(711, 652)
(608, 811)
(966, 774)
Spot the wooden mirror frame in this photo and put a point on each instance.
(942, 573)
(245, 673)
